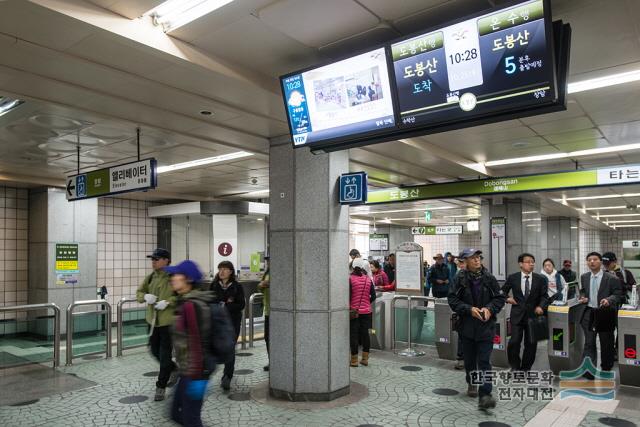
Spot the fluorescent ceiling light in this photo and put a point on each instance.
(621, 221)
(463, 216)
(617, 215)
(8, 104)
(579, 153)
(529, 212)
(257, 193)
(374, 213)
(626, 226)
(613, 79)
(605, 196)
(173, 14)
(604, 208)
(202, 162)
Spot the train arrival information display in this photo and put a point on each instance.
(488, 64)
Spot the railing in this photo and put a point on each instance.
(70, 315)
(120, 325)
(243, 330)
(409, 351)
(252, 301)
(56, 324)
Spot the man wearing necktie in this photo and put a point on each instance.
(602, 293)
(528, 299)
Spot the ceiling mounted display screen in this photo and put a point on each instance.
(341, 101)
(494, 63)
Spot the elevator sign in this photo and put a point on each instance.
(353, 188)
(136, 176)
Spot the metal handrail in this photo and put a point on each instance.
(120, 324)
(392, 327)
(70, 325)
(251, 325)
(410, 298)
(243, 330)
(56, 324)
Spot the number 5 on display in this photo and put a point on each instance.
(510, 66)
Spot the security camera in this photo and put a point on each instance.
(254, 181)
(632, 207)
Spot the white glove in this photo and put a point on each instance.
(150, 298)
(161, 305)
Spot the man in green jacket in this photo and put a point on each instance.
(157, 293)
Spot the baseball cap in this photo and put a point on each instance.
(187, 268)
(359, 262)
(609, 256)
(567, 261)
(469, 252)
(160, 253)
(438, 256)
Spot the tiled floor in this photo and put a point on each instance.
(396, 397)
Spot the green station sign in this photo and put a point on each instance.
(136, 176)
(626, 174)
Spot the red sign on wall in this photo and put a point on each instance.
(225, 249)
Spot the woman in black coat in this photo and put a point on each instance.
(229, 292)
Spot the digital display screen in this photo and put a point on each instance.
(493, 63)
(340, 100)
(558, 339)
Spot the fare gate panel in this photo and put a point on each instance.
(446, 337)
(628, 346)
(566, 339)
(501, 337)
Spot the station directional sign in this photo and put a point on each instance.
(432, 230)
(136, 176)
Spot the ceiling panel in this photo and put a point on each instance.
(622, 133)
(614, 104)
(573, 110)
(317, 23)
(560, 126)
(574, 136)
(394, 10)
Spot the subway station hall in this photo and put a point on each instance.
(353, 213)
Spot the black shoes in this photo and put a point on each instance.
(225, 383)
(486, 402)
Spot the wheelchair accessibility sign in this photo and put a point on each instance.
(353, 188)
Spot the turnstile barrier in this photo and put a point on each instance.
(446, 337)
(566, 339)
(501, 337)
(628, 341)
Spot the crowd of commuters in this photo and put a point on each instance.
(476, 298)
(182, 326)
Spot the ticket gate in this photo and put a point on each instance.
(446, 337)
(377, 331)
(566, 339)
(501, 337)
(629, 346)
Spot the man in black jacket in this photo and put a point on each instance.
(476, 298)
(566, 272)
(528, 299)
(602, 292)
(439, 277)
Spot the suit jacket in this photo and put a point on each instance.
(610, 288)
(538, 296)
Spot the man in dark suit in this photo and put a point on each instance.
(602, 293)
(528, 299)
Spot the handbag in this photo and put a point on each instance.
(353, 313)
(538, 329)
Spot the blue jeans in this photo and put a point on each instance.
(185, 411)
(477, 357)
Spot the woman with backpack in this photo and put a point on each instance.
(190, 340)
(362, 294)
(228, 291)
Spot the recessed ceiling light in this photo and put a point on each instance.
(206, 113)
(520, 144)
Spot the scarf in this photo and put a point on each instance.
(551, 279)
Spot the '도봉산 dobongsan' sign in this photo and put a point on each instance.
(136, 176)
(626, 174)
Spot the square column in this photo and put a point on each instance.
(309, 275)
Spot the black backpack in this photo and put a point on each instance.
(223, 336)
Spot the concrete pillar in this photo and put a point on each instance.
(52, 219)
(309, 269)
(562, 240)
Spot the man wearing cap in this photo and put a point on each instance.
(439, 277)
(529, 298)
(477, 299)
(601, 292)
(157, 293)
(566, 272)
(625, 276)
